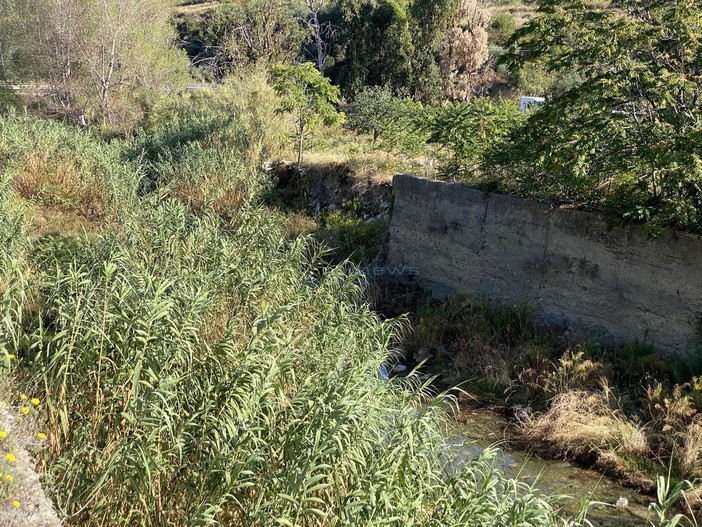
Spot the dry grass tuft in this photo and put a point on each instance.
(581, 422)
(691, 458)
(60, 182)
(199, 197)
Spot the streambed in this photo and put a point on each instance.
(481, 428)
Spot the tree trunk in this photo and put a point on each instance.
(300, 139)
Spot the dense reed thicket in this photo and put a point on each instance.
(198, 366)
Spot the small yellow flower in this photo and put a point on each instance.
(23, 397)
(10, 457)
(11, 356)
(8, 478)
(35, 401)
(3, 434)
(25, 410)
(41, 435)
(16, 504)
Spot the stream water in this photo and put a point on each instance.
(482, 428)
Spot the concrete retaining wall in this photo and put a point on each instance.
(601, 282)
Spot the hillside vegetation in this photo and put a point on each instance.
(195, 365)
(199, 353)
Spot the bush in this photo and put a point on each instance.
(581, 423)
(8, 100)
(465, 131)
(501, 28)
(351, 238)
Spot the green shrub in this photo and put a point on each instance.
(350, 237)
(501, 28)
(238, 118)
(465, 131)
(8, 100)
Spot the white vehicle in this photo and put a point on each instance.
(527, 103)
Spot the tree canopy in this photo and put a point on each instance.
(95, 56)
(308, 96)
(628, 136)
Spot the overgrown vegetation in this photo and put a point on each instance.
(630, 412)
(194, 356)
(216, 356)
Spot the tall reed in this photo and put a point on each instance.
(199, 368)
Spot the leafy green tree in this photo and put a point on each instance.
(627, 137)
(431, 20)
(466, 131)
(371, 111)
(429, 49)
(502, 27)
(374, 47)
(308, 96)
(375, 110)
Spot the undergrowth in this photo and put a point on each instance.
(630, 411)
(198, 365)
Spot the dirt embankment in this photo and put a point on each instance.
(332, 187)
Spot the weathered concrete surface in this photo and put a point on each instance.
(35, 509)
(601, 282)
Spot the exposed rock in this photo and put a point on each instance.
(422, 354)
(622, 502)
(35, 509)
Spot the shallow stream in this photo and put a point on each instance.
(483, 428)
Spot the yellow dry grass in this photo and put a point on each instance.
(197, 196)
(691, 459)
(190, 8)
(360, 156)
(59, 182)
(580, 422)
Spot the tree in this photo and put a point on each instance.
(371, 111)
(465, 131)
(96, 56)
(429, 49)
(431, 20)
(394, 120)
(466, 48)
(628, 136)
(319, 31)
(375, 47)
(250, 31)
(308, 96)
